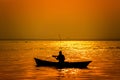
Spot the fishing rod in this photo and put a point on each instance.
(60, 41)
(59, 44)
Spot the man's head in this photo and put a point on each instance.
(60, 52)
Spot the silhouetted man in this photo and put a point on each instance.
(60, 57)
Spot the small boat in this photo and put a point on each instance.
(83, 64)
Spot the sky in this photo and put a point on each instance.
(72, 19)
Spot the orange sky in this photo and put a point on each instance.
(73, 19)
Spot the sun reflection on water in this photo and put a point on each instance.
(105, 59)
(69, 71)
(76, 49)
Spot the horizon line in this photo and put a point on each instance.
(63, 39)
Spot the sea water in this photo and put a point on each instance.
(17, 60)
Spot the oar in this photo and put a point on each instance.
(54, 56)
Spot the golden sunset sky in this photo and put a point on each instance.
(72, 19)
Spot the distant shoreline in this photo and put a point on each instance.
(59, 40)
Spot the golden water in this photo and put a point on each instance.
(17, 63)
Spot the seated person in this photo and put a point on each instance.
(60, 57)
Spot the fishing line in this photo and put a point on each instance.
(60, 42)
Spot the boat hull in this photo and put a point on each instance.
(83, 64)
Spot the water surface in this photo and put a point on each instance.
(17, 63)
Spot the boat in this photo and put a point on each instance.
(82, 64)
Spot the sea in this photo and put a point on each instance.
(17, 60)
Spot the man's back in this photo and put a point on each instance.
(61, 58)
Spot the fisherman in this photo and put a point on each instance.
(60, 57)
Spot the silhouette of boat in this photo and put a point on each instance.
(83, 64)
